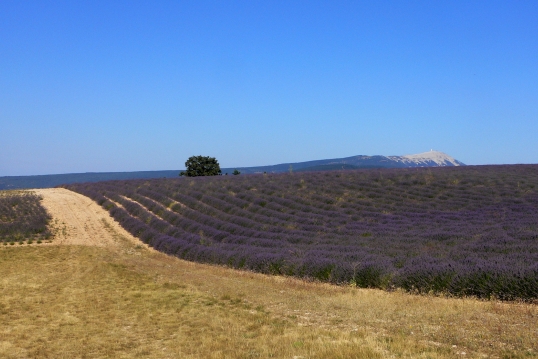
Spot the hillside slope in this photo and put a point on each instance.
(122, 301)
(463, 230)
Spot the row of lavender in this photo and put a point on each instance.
(465, 231)
(22, 217)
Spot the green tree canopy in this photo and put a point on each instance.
(201, 166)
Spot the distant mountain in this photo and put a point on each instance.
(48, 181)
(426, 159)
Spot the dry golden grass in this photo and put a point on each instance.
(119, 299)
(126, 301)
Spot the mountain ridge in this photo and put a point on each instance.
(425, 159)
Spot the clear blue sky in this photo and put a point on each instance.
(91, 86)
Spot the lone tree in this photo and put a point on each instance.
(236, 172)
(201, 166)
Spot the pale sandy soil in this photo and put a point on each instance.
(80, 221)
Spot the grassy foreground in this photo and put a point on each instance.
(128, 301)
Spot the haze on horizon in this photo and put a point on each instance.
(108, 86)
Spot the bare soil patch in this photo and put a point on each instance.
(80, 221)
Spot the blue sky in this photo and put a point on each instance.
(91, 86)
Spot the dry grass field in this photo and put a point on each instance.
(95, 292)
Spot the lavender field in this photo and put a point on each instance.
(456, 230)
(22, 217)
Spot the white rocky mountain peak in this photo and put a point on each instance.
(430, 158)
